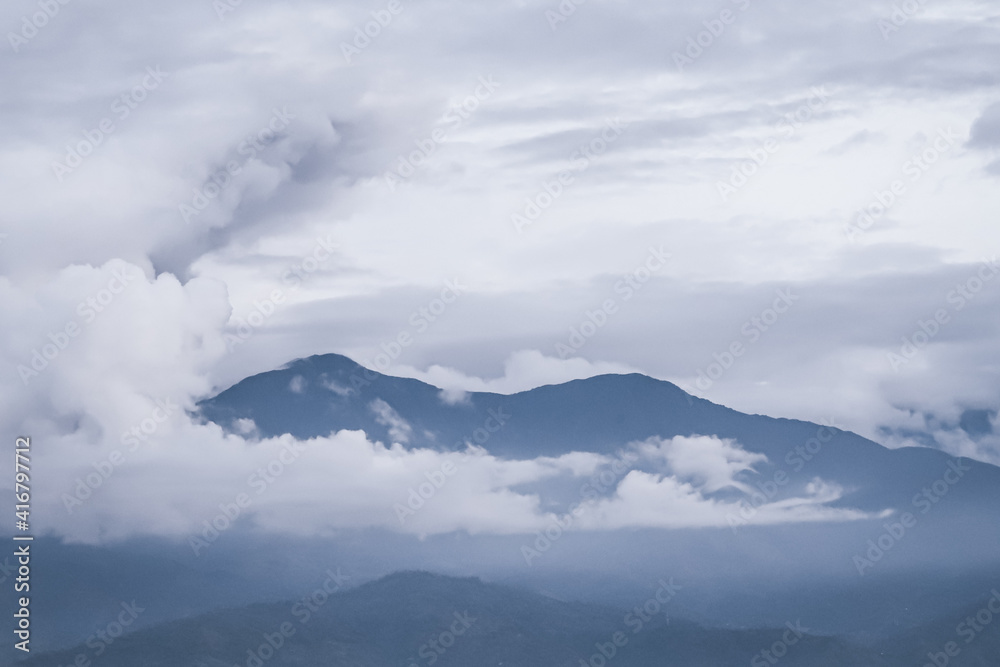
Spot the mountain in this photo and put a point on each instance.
(968, 637)
(416, 618)
(755, 576)
(318, 395)
(321, 394)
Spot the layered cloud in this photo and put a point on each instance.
(192, 196)
(652, 501)
(523, 370)
(117, 360)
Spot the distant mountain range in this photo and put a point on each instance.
(955, 501)
(421, 619)
(316, 396)
(735, 582)
(321, 394)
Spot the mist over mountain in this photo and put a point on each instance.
(542, 313)
(316, 396)
(865, 580)
(423, 619)
(418, 618)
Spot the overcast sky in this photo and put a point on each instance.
(681, 184)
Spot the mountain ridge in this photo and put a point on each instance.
(418, 617)
(755, 575)
(600, 414)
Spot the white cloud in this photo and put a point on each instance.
(655, 501)
(122, 456)
(347, 481)
(523, 370)
(335, 387)
(157, 335)
(246, 427)
(711, 461)
(399, 429)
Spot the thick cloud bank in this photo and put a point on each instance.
(117, 359)
(788, 209)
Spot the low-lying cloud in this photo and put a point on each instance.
(120, 453)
